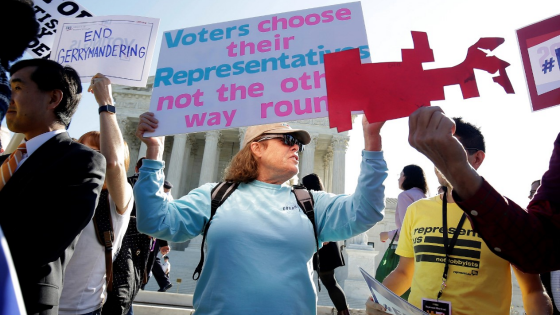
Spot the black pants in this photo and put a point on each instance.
(335, 291)
(154, 264)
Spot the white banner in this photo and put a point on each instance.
(253, 71)
(120, 47)
(545, 64)
(48, 14)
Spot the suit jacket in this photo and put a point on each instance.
(44, 207)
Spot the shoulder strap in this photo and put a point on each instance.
(306, 203)
(103, 224)
(219, 194)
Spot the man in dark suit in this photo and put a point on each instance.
(50, 196)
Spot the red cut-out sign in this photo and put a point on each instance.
(390, 90)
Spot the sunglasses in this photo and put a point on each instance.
(288, 140)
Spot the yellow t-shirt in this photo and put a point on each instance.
(478, 281)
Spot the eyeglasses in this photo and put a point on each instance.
(286, 138)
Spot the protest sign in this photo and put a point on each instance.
(390, 90)
(539, 44)
(120, 47)
(48, 14)
(392, 302)
(253, 71)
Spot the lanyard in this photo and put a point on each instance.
(448, 247)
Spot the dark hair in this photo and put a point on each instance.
(139, 163)
(414, 177)
(312, 182)
(19, 27)
(469, 135)
(167, 185)
(50, 75)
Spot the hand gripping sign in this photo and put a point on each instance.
(391, 90)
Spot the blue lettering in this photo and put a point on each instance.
(244, 30)
(238, 67)
(163, 75)
(142, 52)
(223, 71)
(172, 43)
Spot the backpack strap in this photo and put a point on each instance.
(306, 203)
(219, 194)
(103, 224)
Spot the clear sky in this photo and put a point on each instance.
(518, 141)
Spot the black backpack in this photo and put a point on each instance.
(223, 190)
(128, 272)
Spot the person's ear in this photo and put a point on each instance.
(55, 97)
(476, 159)
(256, 149)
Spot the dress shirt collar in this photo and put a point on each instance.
(36, 142)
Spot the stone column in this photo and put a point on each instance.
(242, 131)
(327, 158)
(219, 146)
(177, 163)
(308, 157)
(209, 158)
(190, 151)
(340, 145)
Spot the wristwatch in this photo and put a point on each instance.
(107, 108)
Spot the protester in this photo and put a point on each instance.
(413, 181)
(22, 18)
(259, 243)
(53, 192)
(330, 257)
(166, 265)
(154, 265)
(85, 281)
(475, 281)
(498, 219)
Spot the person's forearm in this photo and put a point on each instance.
(464, 179)
(113, 148)
(155, 152)
(398, 282)
(357, 212)
(537, 303)
(372, 143)
(498, 220)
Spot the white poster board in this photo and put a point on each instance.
(392, 302)
(543, 57)
(253, 71)
(120, 47)
(48, 14)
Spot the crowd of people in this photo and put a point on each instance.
(262, 237)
